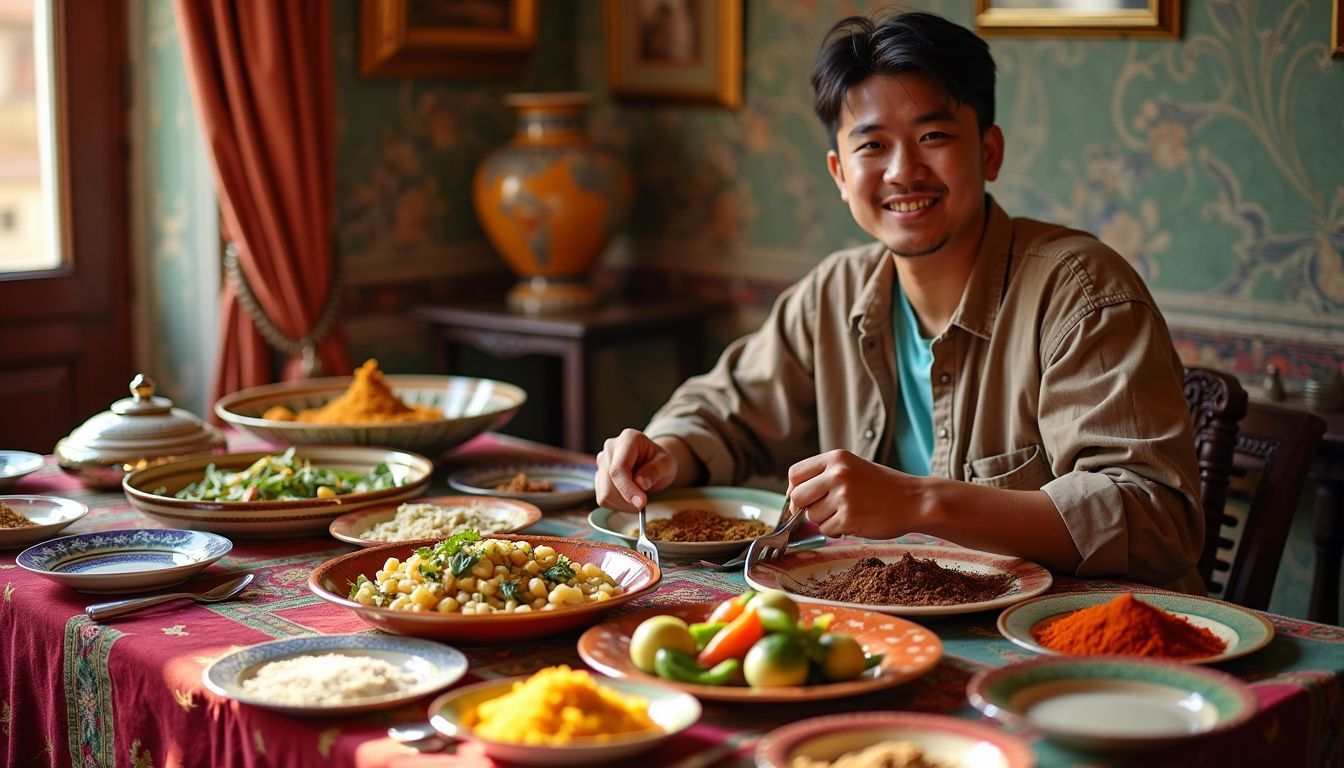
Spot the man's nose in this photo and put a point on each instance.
(905, 165)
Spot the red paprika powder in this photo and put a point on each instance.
(1130, 627)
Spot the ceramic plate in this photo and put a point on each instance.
(673, 711)
(636, 574)
(1243, 630)
(271, 518)
(140, 560)
(500, 516)
(1111, 703)
(573, 483)
(51, 513)
(908, 649)
(434, 667)
(947, 741)
(16, 464)
(1029, 579)
(732, 503)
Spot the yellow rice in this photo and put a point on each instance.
(556, 706)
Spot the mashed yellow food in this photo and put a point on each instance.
(555, 706)
(368, 400)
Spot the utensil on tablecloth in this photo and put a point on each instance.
(810, 542)
(777, 543)
(225, 591)
(419, 736)
(644, 546)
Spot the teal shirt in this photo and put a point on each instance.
(912, 426)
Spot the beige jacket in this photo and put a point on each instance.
(1057, 373)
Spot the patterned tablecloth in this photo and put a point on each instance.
(129, 693)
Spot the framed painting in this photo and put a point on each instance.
(1079, 18)
(675, 50)
(446, 38)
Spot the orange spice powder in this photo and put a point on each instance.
(1132, 627)
(368, 400)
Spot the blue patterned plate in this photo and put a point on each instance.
(434, 666)
(1242, 630)
(573, 482)
(125, 561)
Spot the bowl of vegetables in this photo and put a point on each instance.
(257, 494)
(762, 648)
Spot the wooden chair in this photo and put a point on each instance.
(1262, 475)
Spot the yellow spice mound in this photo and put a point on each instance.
(555, 706)
(368, 400)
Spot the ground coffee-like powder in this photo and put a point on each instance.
(909, 581)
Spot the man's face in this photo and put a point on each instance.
(912, 165)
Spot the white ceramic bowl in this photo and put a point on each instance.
(51, 513)
(16, 464)
(270, 518)
(470, 405)
(950, 741)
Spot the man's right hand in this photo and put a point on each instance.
(632, 465)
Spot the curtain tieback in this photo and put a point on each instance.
(304, 348)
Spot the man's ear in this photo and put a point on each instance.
(837, 174)
(991, 152)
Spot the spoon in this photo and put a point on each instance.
(419, 736)
(100, 611)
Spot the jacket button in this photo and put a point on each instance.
(942, 433)
(868, 433)
(944, 377)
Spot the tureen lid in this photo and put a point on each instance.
(139, 429)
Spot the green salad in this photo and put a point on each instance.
(280, 478)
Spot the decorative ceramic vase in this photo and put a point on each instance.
(549, 201)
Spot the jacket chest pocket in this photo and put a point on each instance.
(1023, 469)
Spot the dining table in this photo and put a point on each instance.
(129, 692)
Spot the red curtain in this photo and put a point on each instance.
(261, 76)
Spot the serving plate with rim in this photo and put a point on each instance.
(908, 651)
(151, 490)
(733, 503)
(434, 666)
(948, 741)
(110, 562)
(1243, 630)
(51, 514)
(17, 464)
(498, 515)
(573, 482)
(794, 568)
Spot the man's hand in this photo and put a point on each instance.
(848, 495)
(631, 465)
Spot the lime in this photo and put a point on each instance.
(659, 632)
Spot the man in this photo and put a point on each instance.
(1005, 384)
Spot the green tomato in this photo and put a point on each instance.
(659, 632)
(776, 660)
(776, 598)
(842, 657)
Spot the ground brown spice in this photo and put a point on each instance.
(702, 525)
(521, 483)
(11, 519)
(909, 581)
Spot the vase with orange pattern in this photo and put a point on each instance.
(549, 201)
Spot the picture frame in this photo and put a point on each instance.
(1079, 18)
(446, 38)
(675, 50)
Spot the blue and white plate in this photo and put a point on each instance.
(48, 513)
(433, 665)
(16, 464)
(573, 482)
(1242, 630)
(125, 561)
(729, 502)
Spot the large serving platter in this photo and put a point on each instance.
(434, 666)
(635, 574)
(573, 483)
(470, 405)
(944, 740)
(50, 513)
(151, 491)
(1243, 631)
(1029, 579)
(908, 651)
(730, 502)
(110, 562)
(508, 515)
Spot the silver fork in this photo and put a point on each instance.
(644, 546)
(777, 543)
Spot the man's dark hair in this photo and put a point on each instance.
(859, 47)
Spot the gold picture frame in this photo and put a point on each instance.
(446, 38)
(1079, 18)
(675, 50)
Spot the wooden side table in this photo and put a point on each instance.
(502, 333)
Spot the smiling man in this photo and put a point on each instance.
(1005, 384)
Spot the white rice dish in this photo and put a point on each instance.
(326, 680)
(431, 521)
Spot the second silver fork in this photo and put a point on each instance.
(777, 543)
(644, 546)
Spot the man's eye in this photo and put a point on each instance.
(933, 136)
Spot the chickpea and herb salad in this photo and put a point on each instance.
(283, 478)
(470, 575)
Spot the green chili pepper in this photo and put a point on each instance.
(702, 632)
(681, 667)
